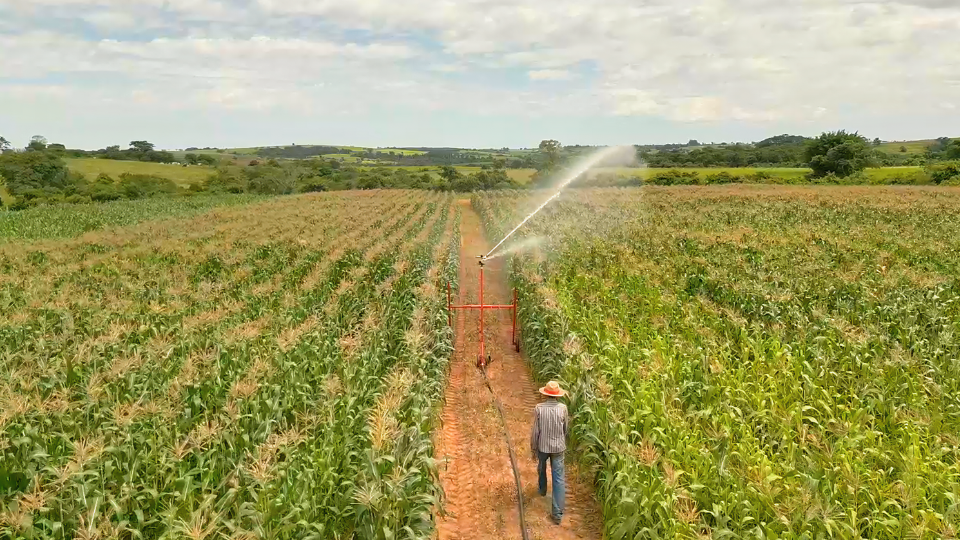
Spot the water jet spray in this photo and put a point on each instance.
(582, 167)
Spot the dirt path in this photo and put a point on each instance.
(474, 462)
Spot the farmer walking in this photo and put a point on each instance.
(548, 440)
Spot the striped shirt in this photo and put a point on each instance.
(551, 424)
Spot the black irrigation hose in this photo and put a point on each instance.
(513, 455)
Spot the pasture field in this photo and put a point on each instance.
(350, 149)
(403, 152)
(521, 175)
(913, 147)
(267, 370)
(93, 167)
(346, 157)
(752, 361)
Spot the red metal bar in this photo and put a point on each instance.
(486, 306)
(482, 359)
(514, 333)
(483, 356)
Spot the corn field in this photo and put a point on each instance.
(70, 220)
(270, 370)
(749, 362)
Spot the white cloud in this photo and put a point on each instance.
(111, 20)
(257, 58)
(550, 75)
(696, 61)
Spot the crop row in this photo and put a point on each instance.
(241, 374)
(750, 362)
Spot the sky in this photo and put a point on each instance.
(474, 73)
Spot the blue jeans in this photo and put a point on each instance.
(559, 483)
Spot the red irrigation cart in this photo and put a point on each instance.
(483, 359)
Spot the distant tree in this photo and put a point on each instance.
(942, 143)
(5, 144)
(153, 156)
(837, 152)
(207, 159)
(450, 174)
(550, 152)
(781, 140)
(877, 141)
(903, 149)
(190, 158)
(57, 148)
(944, 172)
(38, 177)
(141, 146)
(38, 143)
(953, 150)
(693, 142)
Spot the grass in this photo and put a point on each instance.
(752, 361)
(385, 150)
(69, 220)
(403, 152)
(520, 175)
(93, 167)
(6, 199)
(913, 147)
(347, 158)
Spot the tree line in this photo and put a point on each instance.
(786, 151)
(425, 157)
(832, 157)
(40, 176)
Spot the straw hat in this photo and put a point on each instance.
(552, 389)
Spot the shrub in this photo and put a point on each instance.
(838, 153)
(944, 172)
(312, 184)
(674, 177)
(224, 181)
(759, 177)
(78, 199)
(139, 186)
(722, 177)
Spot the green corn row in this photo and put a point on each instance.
(753, 364)
(169, 430)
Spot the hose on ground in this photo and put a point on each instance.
(513, 455)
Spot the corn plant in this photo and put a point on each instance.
(753, 362)
(223, 375)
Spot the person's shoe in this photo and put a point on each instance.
(556, 519)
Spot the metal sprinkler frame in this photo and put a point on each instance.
(483, 359)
